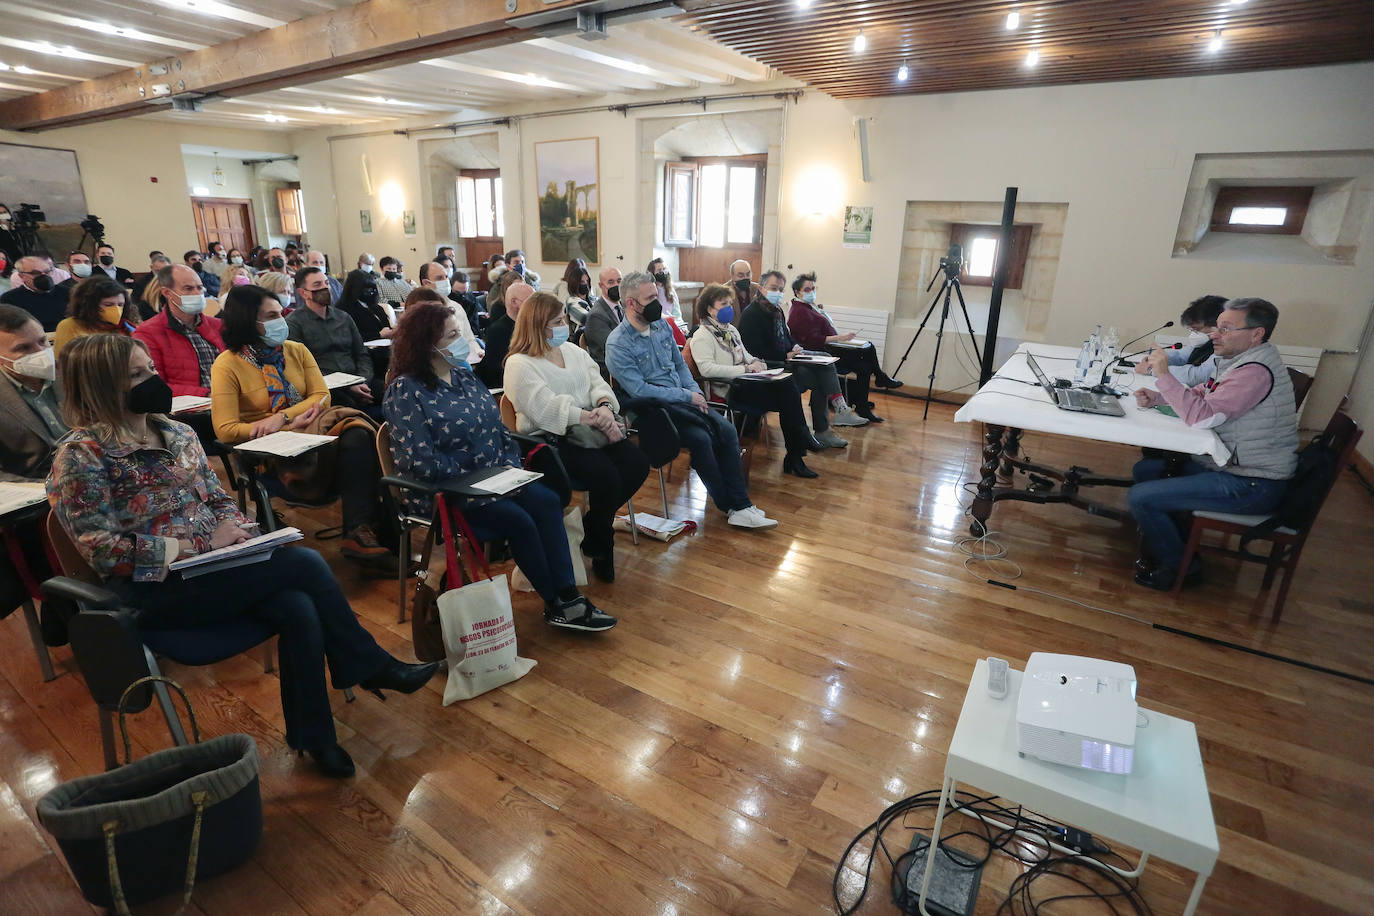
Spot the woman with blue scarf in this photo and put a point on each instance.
(263, 383)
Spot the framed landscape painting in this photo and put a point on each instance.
(566, 180)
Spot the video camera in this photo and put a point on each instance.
(29, 216)
(953, 263)
(94, 228)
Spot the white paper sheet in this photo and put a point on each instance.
(284, 444)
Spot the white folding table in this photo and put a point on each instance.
(1010, 403)
(1161, 808)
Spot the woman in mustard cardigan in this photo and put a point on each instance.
(263, 383)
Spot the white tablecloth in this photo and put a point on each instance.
(1005, 401)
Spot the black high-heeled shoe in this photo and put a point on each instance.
(794, 465)
(401, 677)
(333, 761)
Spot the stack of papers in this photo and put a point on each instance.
(856, 342)
(15, 495)
(186, 403)
(253, 550)
(379, 342)
(285, 444)
(506, 481)
(814, 359)
(771, 375)
(342, 380)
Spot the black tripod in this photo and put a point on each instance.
(951, 266)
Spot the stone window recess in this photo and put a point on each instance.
(979, 245)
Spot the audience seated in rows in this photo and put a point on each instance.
(1251, 407)
(645, 362)
(392, 284)
(196, 261)
(216, 260)
(331, 337)
(264, 383)
(317, 260)
(721, 359)
(97, 305)
(78, 267)
(276, 283)
(556, 389)
(182, 340)
(444, 425)
(134, 491)
(515, 260)
(763, 329)
(105, 263)
(812, 328)
(604, 313)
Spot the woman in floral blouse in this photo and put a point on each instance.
(135, 493)
(445, 424)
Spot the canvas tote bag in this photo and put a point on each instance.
(478, 624)
(572, 526)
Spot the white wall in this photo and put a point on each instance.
(238, 178)
(119, 161)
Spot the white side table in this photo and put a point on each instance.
(1161, 808)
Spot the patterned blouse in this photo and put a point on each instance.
(125, 507)
(446, 431)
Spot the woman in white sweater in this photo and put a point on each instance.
(720, 359)
(556, 388)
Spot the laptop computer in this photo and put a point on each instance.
(1075, 399)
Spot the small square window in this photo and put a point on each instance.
(1268, 210)
(979, 244)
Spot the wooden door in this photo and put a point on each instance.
(712, 265)
(227, 220)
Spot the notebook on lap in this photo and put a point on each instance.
(1075, 399)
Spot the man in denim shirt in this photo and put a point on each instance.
(646, 363)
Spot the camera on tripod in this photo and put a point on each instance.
(93, 227)
(953, 263)
(29, 216)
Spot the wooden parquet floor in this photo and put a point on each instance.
(764, 697)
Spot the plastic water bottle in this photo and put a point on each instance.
(1084, 364)
(1110, 344)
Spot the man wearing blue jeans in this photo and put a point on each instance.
(1250, 405)
(646, 363)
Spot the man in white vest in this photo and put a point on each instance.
(1249, 403)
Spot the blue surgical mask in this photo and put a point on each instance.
(726, 314)
(275, 332)
(774, 296)
(192, 305)
(560, 336)
(456, 354)
(809, 298)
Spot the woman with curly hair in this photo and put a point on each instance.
(98, 305)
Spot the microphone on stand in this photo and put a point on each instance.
(1102, 382)
(1167, 324)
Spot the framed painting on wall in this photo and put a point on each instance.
(365, 220)
(50, 180)
(408, 222)
(567, 178)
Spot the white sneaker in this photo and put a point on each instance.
(750, 517)
(831, 439)
(846, 416)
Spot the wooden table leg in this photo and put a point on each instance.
(982, 503)
(1011, 448)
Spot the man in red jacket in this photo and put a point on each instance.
(182, 341)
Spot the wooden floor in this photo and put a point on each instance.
(764, 697)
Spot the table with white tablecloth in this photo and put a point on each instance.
(1011, 404)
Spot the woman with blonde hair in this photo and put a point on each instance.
(278, 284)
(557, 389)
(134, 492)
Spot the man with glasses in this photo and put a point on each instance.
(37, 293)
(1250, 406)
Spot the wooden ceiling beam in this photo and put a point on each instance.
(369, 35)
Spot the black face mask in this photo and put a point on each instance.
(152, 395)
(742, 285)
(278, 263)
(661, 277)
(371, 295)
(197, 267)
(322, 297)
(392, 275)
(652, 312)
(583, 289)
(613, 293)
(107, 260)
(42, 283)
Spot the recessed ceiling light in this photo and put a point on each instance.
(1013, 19)
(3, 66)
(803, 4)
(903, 72)
(1237, 2)
(1216, 43)
(1032, 58)
(860, 42)
(23, 69)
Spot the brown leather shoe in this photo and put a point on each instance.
(361, 544)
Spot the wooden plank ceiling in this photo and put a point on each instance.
(954, 45)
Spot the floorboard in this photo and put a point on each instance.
(764, 697)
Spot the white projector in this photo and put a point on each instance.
(1077, 711)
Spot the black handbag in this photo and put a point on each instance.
(145, 829)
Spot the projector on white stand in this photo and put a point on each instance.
(1077, 711)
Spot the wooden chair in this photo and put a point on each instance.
(405, 521)
(509, 421)
(1286, 544)
(737, 416)
(1302, 383)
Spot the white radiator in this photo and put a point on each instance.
(870, 324)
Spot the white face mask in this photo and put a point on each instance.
(42, 364)
(236, 261)
(192, 305)
(443, 287)
(1197, 338)
(367, 267)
